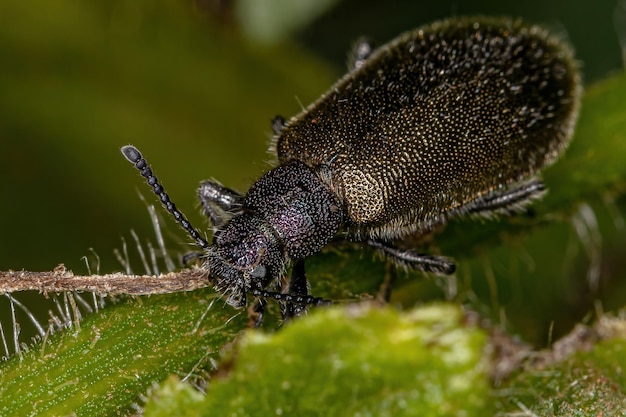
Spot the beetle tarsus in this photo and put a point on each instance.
(191, 256)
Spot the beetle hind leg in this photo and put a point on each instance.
(414, 260)
(512, 200)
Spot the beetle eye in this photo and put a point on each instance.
(258, 271)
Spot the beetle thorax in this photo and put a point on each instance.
(300, 208)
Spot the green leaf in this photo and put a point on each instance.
(174, 398)
(117, 354)
(587, 383)
(359, 360)
(595, 160)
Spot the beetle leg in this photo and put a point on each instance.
(256, 311)
(413, 260)
(298, 285)
(508, 201)
(278, 124)
(360, 52)
(384, 292)
(191, 256)
(216, 199)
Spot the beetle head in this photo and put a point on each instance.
(245, 255)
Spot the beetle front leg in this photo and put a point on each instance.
(217, 200)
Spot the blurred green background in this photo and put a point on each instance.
(194, 85)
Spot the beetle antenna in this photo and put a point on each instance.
(291, 298)
(134, 156)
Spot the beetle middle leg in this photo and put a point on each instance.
(297, 285)
(256, 312)
(384, 292)
(414, 260)
(359, 53)
(278, 124)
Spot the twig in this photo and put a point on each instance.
(61, 280)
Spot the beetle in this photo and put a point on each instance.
(454, 118)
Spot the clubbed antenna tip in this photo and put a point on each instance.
(134, 156)
(131, 153)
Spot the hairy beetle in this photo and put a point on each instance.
(453, 118)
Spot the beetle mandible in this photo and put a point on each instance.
(454, 118)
